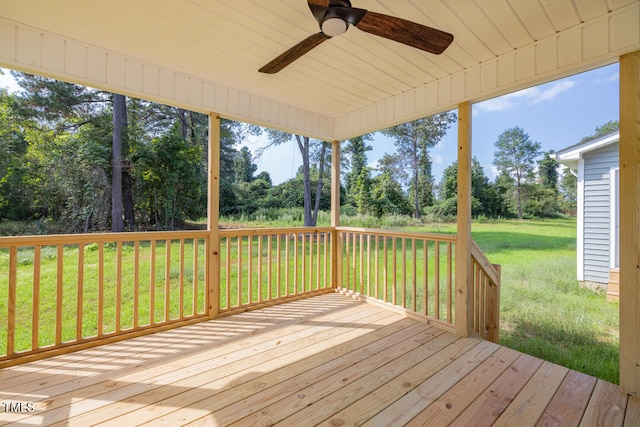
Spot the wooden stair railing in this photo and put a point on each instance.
(486, 295)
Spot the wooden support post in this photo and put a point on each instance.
(213, 218)
(336, 257)
(464, 290)
(630, 223)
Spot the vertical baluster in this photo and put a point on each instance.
(228, 271)
(136, 283)
(80, 295)
(311, 235)
(13, 297)
(295, 264)
(59, 290)
(181, 294)
(35, 315)
(368, 264)
(152, 283)
(239, 274)
(477, 300)
(414, 278)
(385, 269)
(118, 308)
(354, 264)
(394, 271)
(304, 261)
(436, 291)
(425, 277)
(347, 271)
(377, 264)
(279, 264)
(286, 265)
(404, 272)
(259, 267)
(318, 264)
(269, 268)
(167, 280)
(361, 242)
(196, 269)
(250, 269)
(325, 262)
(449, 283)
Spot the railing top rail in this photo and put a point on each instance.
(484, 262)
(442, 237)
(74, 239)
(272, 231)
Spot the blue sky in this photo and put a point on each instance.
(556, 114)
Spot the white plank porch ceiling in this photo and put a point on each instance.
(204, 54)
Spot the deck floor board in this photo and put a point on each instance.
(326, 360)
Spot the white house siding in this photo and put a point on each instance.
(597, 212)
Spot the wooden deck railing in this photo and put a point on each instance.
(67, 291)
(260, 267)
(486, 295)
(61, 293)
(413, 271)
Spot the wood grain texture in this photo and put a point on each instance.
(326, 360)
(630, 223)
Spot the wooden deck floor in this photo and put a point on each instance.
(327, 360)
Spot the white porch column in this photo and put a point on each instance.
(463, 298)
(630, 223)
(213, 217)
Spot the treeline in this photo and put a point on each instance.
(75, 159)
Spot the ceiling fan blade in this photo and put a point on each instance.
(406, 32)
(294, 53)
(323, 3)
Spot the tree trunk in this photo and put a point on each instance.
(127, 181)
(303, 145)
(519, 199)
(316, 208)
(119, 111)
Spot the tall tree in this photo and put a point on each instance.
(515, 157)
(387, 196)
(569, 190)
(610, 126)
(548, 171)
(484, 198)
(243, 166)
(413, 141)
(356, 152)
(306, 147)
(119, 129)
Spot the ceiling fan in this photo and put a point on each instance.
(334, 18)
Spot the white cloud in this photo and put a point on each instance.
(532, 95)
(613, 78)
(556, 89)
(437, 159)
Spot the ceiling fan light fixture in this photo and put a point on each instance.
(334, 26)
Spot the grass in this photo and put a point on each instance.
(48, 290)
(544, 311)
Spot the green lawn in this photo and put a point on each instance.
(543, 310)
